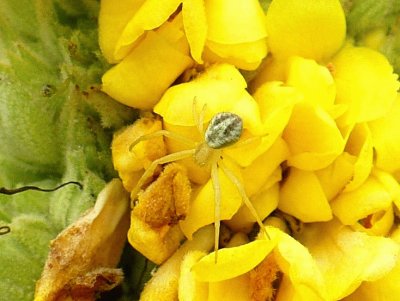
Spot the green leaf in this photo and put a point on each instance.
(366, 17)
(56, 127)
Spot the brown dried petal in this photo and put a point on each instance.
(165, 201)
(82, 257)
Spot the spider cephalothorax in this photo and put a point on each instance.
(223, 130)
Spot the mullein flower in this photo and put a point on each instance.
(154, 43)
(316, 147)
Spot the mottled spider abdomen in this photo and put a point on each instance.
(224, 129)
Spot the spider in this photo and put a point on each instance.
(224, 129)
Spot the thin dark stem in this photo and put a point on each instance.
(4, 190)
(4, 230)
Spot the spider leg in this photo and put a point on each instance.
(244, 196)
(198, 117)
(159, 133)
(166, 159)
(217, 206)
(247, 141)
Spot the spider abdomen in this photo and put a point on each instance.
(224, 129)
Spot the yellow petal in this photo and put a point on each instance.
(313, 138)
(264, 202)
(257, 174)
(130, 163)
(302, 196)
(369, 198)
(276, 102)
(296, 262)
(155, 244)
(313, 80)
(379, 223)
(237, 289)
(272, 69)
(246, 56)
(287, 291)
(386, 138)
(195, 23)
(163, 286)
(235, 23)
(365, 83)
(144, 75)
(387, 288)
(189, 288)
(334, 177)
(347, 258)
(150, 15)
(359, 144)
(197, 174)
(112, 21)
(391, 185)
(221, 88)
(201, 211)
(232, 262)
(311, 29)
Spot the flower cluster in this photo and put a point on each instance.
(316, 167)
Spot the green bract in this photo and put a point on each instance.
(55, 127)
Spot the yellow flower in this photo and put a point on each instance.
(311, 29)
(154, 42)
(365, 83)
(222, 89)
(150, 68)
(231, 33)
(329, 264)
(313, 137)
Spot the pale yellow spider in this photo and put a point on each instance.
(224, 129)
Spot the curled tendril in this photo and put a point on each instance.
(4, 190)
(4, 230)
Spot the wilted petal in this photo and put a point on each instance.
(365, 83)
(159, 208)
(303, 197)
(82, 258)
(313, 138)
(311, 29)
